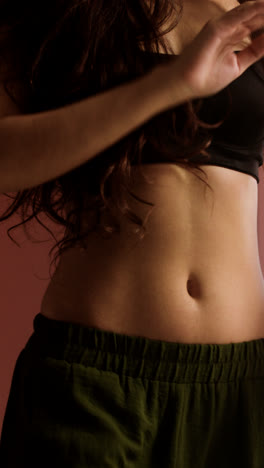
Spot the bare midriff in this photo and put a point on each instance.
(195, 277)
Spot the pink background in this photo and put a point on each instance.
(21, 291)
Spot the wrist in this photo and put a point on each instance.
(169, 82)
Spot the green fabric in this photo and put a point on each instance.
(87, 398)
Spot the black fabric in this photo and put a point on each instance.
(238, 143)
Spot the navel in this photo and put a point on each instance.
(193, 286)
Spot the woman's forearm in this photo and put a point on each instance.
(40, 147)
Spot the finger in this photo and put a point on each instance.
(242, 14)
(251, 54)
(249, 30)
(255, 25)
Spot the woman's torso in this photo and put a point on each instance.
(194, 278)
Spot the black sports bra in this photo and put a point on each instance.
(238, 143)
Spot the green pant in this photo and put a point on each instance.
(87, 398)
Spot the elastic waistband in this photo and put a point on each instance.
(142, 357)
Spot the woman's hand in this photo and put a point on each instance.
(208, 64)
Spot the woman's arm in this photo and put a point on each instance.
(39, 147)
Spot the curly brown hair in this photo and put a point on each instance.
(63, 51)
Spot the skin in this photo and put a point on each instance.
(194, 15)
(196, 277)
